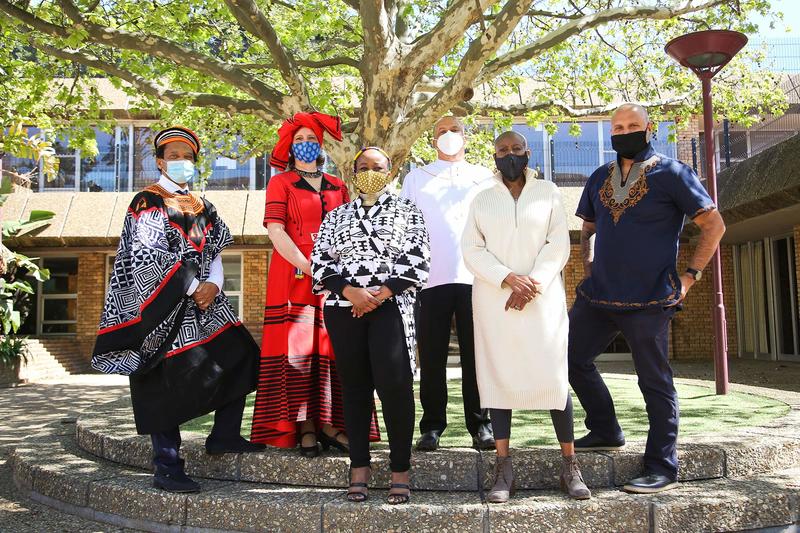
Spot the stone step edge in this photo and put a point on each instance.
(124, 499)
(748, 452)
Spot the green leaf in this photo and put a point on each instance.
(7, 185)
(40, 214)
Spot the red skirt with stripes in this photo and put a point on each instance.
(297, 377)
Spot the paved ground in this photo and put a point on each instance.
(25, 410)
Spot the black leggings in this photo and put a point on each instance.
(371, 355)
(562, 421)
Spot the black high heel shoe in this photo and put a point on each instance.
(327, 441)
(357, 496)
(309, 451)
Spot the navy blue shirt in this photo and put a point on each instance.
(636, 242)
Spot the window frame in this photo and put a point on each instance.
(41, 297)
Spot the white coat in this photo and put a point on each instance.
(520, 356)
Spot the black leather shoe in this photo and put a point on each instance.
(429, 441)
(593, 443)
(483, 439)
(650, 484)
(240, 445)
(180, 483)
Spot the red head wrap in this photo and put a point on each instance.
(317, 122)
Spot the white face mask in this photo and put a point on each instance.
(180, 171)
(450, 143)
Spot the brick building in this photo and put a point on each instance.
(760, 258)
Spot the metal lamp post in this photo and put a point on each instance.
(706, 53)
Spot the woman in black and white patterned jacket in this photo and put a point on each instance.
(372, 255)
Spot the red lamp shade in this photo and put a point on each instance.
(706, 52)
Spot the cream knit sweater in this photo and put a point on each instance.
(520, 356)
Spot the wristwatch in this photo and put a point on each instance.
(696, 274)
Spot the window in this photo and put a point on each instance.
(145, 171)
(23, 166)
(766, 299)
(101, 173)
(229, 175)
(69, 163)
(232, 264)
(575, 158)
(263, 172)
(58, 297)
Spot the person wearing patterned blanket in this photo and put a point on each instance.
(166, 322)
(372, 255)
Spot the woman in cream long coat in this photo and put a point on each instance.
(516, 243)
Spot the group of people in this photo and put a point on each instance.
(359, 290)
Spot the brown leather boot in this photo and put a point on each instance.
(572, 480)
(503, 486)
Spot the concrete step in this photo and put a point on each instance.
(52, 358)
(108, 431)
(52, 469)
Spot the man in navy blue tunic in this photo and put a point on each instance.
(635, 207)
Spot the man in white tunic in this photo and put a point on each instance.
(516, 243)
(443, 192)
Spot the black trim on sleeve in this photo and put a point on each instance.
(398, 285)
(336, 284)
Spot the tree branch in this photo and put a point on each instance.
(253, 20)
(599, 18)
(223, 103)
(160, 48)
(541, 13)
(564, 108)
(482, 48)
(309, 63)
(378, 33)
(452, 25)
(33, 21)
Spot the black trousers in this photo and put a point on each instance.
(562, 422)
(167, 444)
(591, 330)
(437, 306)
(371, 355)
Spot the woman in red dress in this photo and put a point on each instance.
(298, 389)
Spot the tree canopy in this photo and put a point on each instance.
(233, 69)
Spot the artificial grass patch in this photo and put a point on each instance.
(701, 410)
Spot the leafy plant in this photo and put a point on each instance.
(37, 219)
(15, 290)
(13, 350)
(16, 141)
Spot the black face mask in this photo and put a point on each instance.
(627, 145)
(511, 166)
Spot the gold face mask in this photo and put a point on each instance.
(371, 181)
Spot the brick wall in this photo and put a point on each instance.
(691, 335)
(693, 329)
(254, 288)
(91, 296)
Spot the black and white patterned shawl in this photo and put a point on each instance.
(369, 246)
(161, 250)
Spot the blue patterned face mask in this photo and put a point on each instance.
(306, 151)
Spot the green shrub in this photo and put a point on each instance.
(13, 350)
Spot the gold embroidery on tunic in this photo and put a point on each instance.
(183, 203)
(636, 192)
